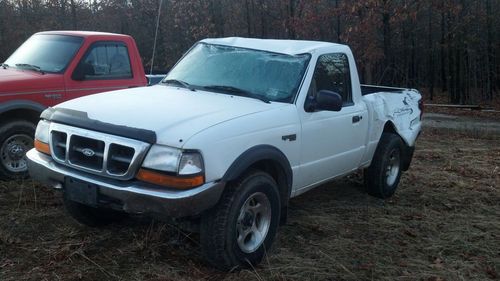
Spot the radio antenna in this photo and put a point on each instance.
(156, 37)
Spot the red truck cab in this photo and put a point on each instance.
(52, 67)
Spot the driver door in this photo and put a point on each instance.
(106, 66)
(333, 143)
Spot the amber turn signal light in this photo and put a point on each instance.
(179, 182)
(42, 147)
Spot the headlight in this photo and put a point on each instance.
(42, 131)
(42, 137)
(184, 169)
(162, 158)
(191, 163)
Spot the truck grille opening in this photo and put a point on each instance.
(120, 158)
(59, 140)
(95, 152)
(86, 152)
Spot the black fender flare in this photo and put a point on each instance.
(21, 104)
(260, 153)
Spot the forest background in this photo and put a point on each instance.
(448, 49)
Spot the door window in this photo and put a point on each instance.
(332, 74)
(106, 61)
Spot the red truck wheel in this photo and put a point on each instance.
(16, 138)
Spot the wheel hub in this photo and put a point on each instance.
(253, 222)
(392, 170)
(248, 220)
(16, 151)
(13, 151)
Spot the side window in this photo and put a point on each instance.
(106, 61)
(332, 74)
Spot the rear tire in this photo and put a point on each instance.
(91, 216)
(239, 230)
(16, 138)
(383, 175)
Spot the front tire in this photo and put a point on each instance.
(16, 138)
(383, 175)
(239, 230)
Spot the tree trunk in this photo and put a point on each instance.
(62, 14)
(444, 80)
(387, 38)
(249, 25)
(291, 20)
(338, 21)
(430, 46)
(74, 20)
(263, 20)
(451, 67)
(490, 58)
(217, 17)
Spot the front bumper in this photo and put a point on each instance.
(130, 196)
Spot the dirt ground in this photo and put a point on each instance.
(442, 224)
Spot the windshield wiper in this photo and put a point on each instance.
(236, 91)
(30, 66)
(179, 82)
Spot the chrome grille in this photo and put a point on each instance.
(86, 152)
(95, 152)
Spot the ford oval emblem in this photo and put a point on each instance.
(88, 152)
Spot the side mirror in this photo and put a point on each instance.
(81, 71)
(328, 100)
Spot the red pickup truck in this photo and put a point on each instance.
(52, 67)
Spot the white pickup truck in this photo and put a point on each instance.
(237, 128)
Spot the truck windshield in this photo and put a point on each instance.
(240, 71)
(46, 53)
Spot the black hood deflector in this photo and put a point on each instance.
(80, 119)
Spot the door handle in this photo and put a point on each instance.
(356, 119)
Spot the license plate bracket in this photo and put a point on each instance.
(80, 191)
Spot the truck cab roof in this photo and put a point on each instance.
(82, 33)
(289, 47)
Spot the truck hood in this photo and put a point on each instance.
(175, 114)
(14, 80)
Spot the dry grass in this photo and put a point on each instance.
(443, 224)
